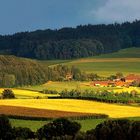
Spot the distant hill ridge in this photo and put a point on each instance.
(70, 43)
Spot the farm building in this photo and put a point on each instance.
(69, 76)
(111, 83)
(103, 83)
(132, 78)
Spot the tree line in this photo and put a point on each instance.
(64, 129)
(69, 43)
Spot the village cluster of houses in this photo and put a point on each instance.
(122, 82)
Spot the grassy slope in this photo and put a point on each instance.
(126, 61)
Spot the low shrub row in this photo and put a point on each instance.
(102, 96)
(82, 117)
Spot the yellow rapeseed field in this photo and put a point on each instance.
(113, 110)
(19, 93)
(125, 89)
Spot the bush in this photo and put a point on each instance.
(24, 133)
(115, 130)
(5, 128)
(134, 132)
(8, 94)
(46, 91)
(58, 128)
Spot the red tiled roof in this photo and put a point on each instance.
(132, 77)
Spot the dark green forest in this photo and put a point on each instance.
(68, 43)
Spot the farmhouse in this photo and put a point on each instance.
(126, 81)
(69, 76)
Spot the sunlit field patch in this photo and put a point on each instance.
(19, 93)
(129, 90)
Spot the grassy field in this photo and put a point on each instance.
(34, 125)
(107, 68)
(71, 105)
(126, 61)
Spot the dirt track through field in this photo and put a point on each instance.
(106, 60)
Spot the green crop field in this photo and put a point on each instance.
(126, 61)
(108, 68)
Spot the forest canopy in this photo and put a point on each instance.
(68, 43)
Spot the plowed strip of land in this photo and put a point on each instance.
(39, 113)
